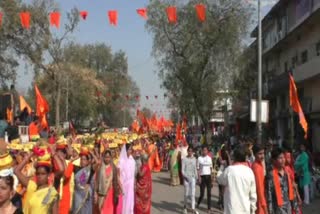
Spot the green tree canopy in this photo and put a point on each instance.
(196, 60)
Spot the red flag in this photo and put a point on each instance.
(127, 96)
(172, 14)
(137, 97)
(55, 19)
(142, 12)
(201, 12)
(25, 19)
(84, 14)
(42, 107)
(1, 15)
(296, 106)
(156, 96)
(113, 17)
(108, 94)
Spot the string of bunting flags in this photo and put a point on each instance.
(55, 16)
(130, 97)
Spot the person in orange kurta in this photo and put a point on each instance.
(258, 168)
(66, 186)
(154, 160)
(34, 128)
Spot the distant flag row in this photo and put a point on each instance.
(55, 17)
(128, 97)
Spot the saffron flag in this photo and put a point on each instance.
(42, 107)
(142, 12)
(84, 14)
(55, 19)
(296, 106)
(172, 14)
(113, 17)
(201, 12)
(25, 19)
(24, 104)
(1, 15)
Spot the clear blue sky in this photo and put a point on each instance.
(130, 36)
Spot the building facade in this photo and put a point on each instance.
(291, 43)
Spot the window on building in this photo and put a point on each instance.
(318, 49)
(304, 56)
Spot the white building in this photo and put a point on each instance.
(291, 42)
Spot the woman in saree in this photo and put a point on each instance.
(107, 185)
(40, 196)
(83, 188)
(174, 166)
(143, 188)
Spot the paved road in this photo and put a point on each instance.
(167, 199)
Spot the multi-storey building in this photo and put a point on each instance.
(291, 42)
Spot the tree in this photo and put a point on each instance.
(79, 92)
(18, 43)
(120, 90)
(195, 60)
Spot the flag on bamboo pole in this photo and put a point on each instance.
(42, 108)
(296, 106)
(24, 104)
(25, 19)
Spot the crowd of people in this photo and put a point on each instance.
(252, 178)
(80, 175)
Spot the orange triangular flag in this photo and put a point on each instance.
(25, 19)
(84, 14)
(1, 15)
(201, 12)
(142, 12)
(55, 19)
(41, 103)
(42, 108)
(113, 17)
(172, 14)
(296, 106)
(24, 104)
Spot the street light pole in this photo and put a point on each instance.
(259, 124)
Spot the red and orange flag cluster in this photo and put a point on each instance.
(55, 17)
(153, 124)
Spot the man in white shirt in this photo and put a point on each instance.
(240, 195)
(204, 172)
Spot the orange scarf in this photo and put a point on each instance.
(278, 187)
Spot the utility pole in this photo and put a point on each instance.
(259, 124)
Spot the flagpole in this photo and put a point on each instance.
(259, 124)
